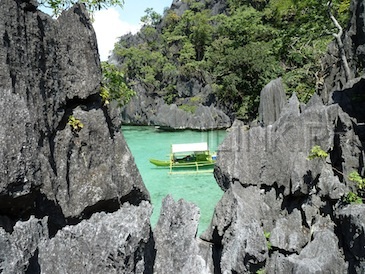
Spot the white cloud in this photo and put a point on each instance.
(108, 27)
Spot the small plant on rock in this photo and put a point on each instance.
(353, 198)
(75, 124)
(317, 152)
(267, 236)
(105, 96)
(354, 176)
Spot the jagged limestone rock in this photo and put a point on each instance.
(106, 243)
(270, 184)
(204, 118)
(236, 234)
(49, 71)
(272, 100)
(351, 99)
(177, 248)
(350, 221)
(321, 255)
(19, 249)
(289, 234)
(278, 153)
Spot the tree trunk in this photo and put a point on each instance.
(338, 37)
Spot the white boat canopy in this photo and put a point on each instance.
(176, 148)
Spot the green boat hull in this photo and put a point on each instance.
(185, 164)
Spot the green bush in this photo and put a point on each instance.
(317, 152)
(188, 108)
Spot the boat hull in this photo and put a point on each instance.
(168, 164)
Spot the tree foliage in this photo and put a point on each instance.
(237, 52)
(114, 85)
(57, 6)
(151, 18)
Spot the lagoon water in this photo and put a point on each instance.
(201, 189)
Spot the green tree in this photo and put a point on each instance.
(242, 59)
(200, 35)
(151, 18)
(237, 52)
(114, 85)
(58, 6)
(305, 30)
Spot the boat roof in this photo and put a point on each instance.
(176, 148)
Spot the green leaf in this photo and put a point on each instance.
(75, 124)
(114, 85)
(353, 198)
(58, 6)
(317, 152)
(355, 177)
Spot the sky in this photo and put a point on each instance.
(114, 22)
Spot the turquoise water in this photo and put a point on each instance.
(201, 189)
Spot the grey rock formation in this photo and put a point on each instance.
(145, 109)
(179, 7)
(350, 220)
(175, 240)
(320, 255)
(236, 234)
(272, 100)
(273, 191)
(216, 6)
(53, 74)
(204, 118)
(51, 174)
(289, 234)
(351, 99)
(106, 243)
(253, 156)
(19, 250)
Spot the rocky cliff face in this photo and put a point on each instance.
(53, 177)
(280, 210)
(150, 107)
(147, 108)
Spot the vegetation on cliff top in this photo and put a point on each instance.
(238, 51)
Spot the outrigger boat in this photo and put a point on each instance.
(194, 155)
